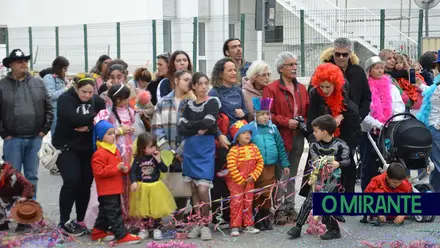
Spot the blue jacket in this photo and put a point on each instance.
(55, 87)
(231, 99)
(270, 144)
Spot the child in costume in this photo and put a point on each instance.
(108, 170)
(150, 197)
(326, 176)
(392, 181)
(12, 185)
(244, 166)
(271, 146)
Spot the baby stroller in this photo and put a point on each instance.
(409, 142)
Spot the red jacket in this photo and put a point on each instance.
(281, 112)
(108, 177)
(13, 183)
(378, 184)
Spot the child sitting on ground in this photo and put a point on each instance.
(108, 169)
(12, 185)
(392, 181)
(271, 146)
(325, 145)
(244, 165)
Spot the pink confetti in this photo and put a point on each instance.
(171, 244)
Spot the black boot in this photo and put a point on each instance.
(267, 220)
(22, 227)
(4, 226)
(294, 232)
(331, 234)
(364, 220)
(259, 224)
(340, 218)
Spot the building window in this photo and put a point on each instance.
(202, 66)
(2, 35)
(231, 30)
(202, 39)
(167, 36)
(274, 36)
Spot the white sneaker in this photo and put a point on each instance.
(157, 234)
(251, 229)
(205, 233)
(195, 232)
(235, 232)
(143, 234)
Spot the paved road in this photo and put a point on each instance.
(352, 235)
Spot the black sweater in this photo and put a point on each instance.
(146, 169)
(201, 116)
(73, 113)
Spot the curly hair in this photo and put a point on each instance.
(332, 74)
(217, 71)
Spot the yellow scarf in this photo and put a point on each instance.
(109, 147)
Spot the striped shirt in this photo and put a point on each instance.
(237, 155)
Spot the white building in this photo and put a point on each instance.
(217, 21)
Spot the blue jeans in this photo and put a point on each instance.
(434, 177)
(22, 153)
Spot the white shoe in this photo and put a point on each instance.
(195, 232)
(205, 233)
(143, 234)
(157, 234)
(251, 229)
(235, 232)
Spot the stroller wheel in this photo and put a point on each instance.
(430, 218)
(419, 218)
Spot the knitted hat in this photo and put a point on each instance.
(100, 130)
(262, 104)
(240, 127)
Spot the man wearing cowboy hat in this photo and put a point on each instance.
(26, 115)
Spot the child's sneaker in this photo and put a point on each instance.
(331, 234)
(294, 232)
(157, 234)
(195, 232)
(72, 228)
(251, 229)
(83, 225)
(101, 235)
(374, 221)
(143, 234)
(205, 233)
(129, 239)
(235, 232)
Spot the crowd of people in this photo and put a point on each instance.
(131, 153)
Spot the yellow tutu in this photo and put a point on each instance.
(151, 200)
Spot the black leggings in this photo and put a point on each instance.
(76, 171)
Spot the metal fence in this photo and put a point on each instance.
(304, 32)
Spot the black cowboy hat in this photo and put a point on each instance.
(16, 55)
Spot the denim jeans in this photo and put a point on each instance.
(22, 153)
(434, 177)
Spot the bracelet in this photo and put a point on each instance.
(120, 130)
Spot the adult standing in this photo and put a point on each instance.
(56, 84)
(26, 115)
(179, 61)
(74, 138)
(99, 71)
(257, 77)
(233, 49)
(162, 70)
(290, 101)
(141, 79)
(428, 63)
(358, 92)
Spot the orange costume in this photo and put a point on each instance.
(378, 184)
(243, 161)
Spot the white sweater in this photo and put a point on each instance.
(398, 107)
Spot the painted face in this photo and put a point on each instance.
(327, 88)
(319, 134)
(183, 82)
(244, 138)
(235, 51)
(109, 136)
(85, 93)
(263, 78)
(263, 118)
(162, 67)
(229, 74)
(289, 68)
(341, 56)
(181, 62)
(377, 71)
(201, 88)
(19, 67)
(117, 77)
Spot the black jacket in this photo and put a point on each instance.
(20, 98)
(152, 88)
(73, 113)
(359, 91)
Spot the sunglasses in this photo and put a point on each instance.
(345, 55)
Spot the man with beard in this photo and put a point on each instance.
(26, 115)
(232, 49)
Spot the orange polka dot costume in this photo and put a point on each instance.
(243, 161)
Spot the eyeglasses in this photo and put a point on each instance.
(338, 55)
(291, 64)
(265, 75)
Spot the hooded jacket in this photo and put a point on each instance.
(359, 90)
(13, 183)
(26, 107)
(73, 113)
(250, 92)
